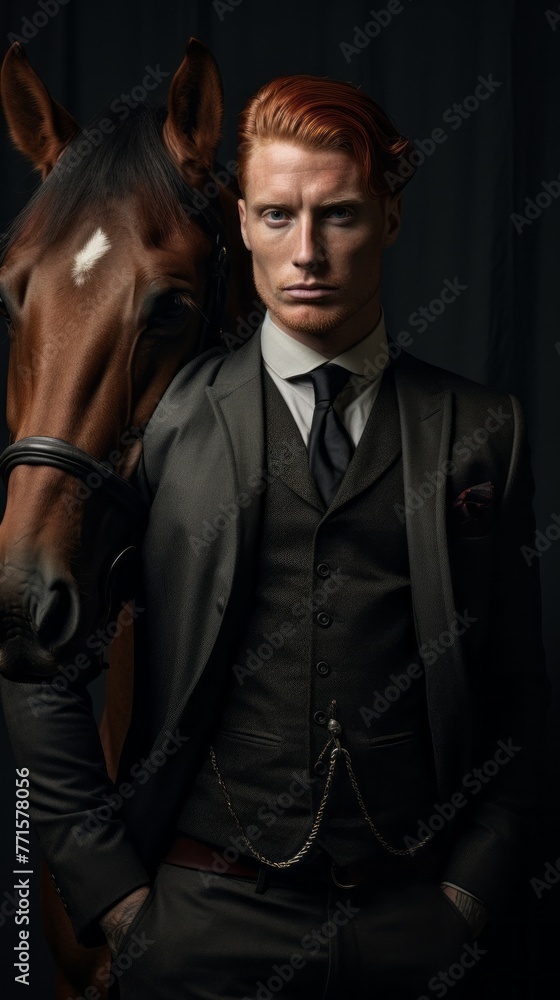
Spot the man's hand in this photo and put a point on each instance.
(471, 909)
(117, 920)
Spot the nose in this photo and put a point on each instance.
(54, 610)
(309, 249)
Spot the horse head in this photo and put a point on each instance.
(109, 282)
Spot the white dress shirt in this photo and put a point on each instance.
(285, 357)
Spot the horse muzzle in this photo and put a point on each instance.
(42, 617)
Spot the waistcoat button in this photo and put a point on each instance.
(322, 668)
(322, 618)
(323, 569)
(320, 718)
(320, 768)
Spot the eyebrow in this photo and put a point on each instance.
(351, 202)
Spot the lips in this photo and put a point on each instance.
(308, 291)
(306, 285)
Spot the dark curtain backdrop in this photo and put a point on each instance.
(467, 221)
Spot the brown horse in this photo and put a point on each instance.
(108, 281)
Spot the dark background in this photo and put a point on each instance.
(502, 330)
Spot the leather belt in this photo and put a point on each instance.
(189, 853)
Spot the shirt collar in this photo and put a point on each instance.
(288, 357)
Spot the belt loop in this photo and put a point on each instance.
(261, 879)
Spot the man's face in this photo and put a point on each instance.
(316, 237)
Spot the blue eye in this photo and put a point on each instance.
(340, 213)
(275, 215)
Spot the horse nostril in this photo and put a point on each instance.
(56, 614)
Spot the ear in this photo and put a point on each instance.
(243, 222)
(195, 108)
(40, 127)
(393, 210)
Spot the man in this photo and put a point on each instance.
(343, 584)
(344, 685)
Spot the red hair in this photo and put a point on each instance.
(327, 114)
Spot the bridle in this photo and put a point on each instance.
(59, 454)
(211, 223)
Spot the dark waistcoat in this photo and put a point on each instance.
(331, 622)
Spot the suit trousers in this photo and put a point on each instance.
(203, 936)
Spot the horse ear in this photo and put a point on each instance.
(39, 126)
(194, 113)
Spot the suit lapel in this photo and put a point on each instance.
(426, 415)
(237, 400)
(378, 447)
(284, 435)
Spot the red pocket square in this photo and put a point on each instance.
(473, 505)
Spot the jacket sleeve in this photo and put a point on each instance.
(509, 693)
(73, 803)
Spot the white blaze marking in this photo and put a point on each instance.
(95, 247)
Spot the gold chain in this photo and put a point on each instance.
(335, 752)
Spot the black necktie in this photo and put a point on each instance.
(330, 447)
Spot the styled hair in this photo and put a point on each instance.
(327, 114)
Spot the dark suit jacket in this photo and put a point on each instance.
(202, 468)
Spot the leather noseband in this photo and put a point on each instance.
(59, 454)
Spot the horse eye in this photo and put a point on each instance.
(169, 308)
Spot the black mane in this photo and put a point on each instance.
(130, 157)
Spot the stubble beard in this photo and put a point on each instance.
(319, 324)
